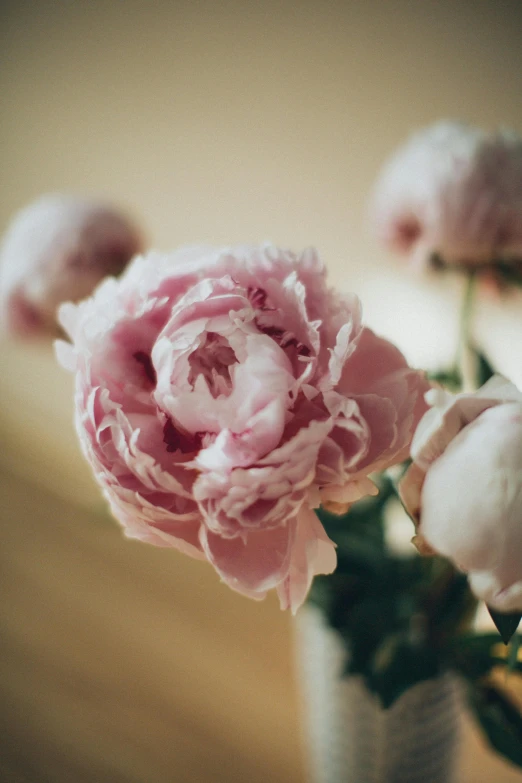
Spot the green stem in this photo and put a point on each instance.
(465, 360)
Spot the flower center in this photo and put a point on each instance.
(408, 231)
(213, 360)
(177, 440)
(146, 362)
(284, 338)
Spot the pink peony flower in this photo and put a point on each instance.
(455, 193)
(55, 250)
(222, 395)
(464, 488)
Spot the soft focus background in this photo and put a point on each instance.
(214, 122)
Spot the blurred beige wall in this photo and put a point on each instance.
(214, 122)
(238, 121)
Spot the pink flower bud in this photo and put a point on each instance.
(455, 193)
(55, 250)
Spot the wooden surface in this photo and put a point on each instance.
(219, 122)
(125, 663)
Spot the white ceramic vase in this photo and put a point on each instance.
(350, 738)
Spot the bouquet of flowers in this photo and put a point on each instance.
(235, 407)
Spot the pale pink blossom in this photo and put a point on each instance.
(223, 394)
(55, 250)
(454, 192)
(464, 488)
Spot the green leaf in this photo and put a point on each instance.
(510, 273)
(484, 369)
(320, 595)
(451, 378)
(475, 655)
(500, 719)
(506, 624)
(450, 601)
(397, 666)
(364, 626)
(513, 662)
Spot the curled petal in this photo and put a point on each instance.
(266, 494)
(167, 532)
(449, 414)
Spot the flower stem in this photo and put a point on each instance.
(466, 360)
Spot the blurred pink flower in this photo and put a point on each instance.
(55, 250)
(454, 192)
(222, 395)
(464, 488)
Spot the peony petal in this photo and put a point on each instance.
(181, 536)
(489, 588)
(313, 553)
(65, 354)
(255, 564)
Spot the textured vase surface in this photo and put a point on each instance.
(350, 738)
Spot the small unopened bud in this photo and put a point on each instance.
(58, 249)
